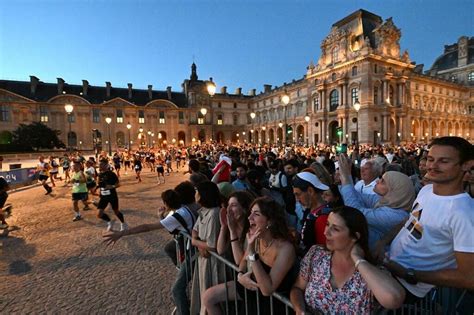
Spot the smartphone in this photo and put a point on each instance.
(341, 148)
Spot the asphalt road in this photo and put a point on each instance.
(49, 264)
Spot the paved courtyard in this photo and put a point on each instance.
(49, 264)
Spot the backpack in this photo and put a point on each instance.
(313, 228)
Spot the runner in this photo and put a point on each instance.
(66, 164)
(160, 170)
(108, 182)
(169, 167)
(79, 189)
(5, 211)
(54, 170)
(126, 161)
(43, 169)
(137, 166)
(152, 162)
(91, 177)
(117, 164)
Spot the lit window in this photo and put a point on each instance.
(44, 114)
(119, 116)
(162, 118)
(453, 78)
(470, 77)
(354, 95)
(141, 117)
(219, 119)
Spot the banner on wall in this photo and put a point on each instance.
(20, 177)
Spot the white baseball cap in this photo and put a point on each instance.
(312, 179)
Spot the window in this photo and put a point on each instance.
(219, 119)
(236, 119)
(200, 118)
(235, 105)
(335, 54)
(354, 95)
(354, 71)
(470, 77)
(334, 100)
(316, 104)
(219, 105)
(376, 94)
(141, 117)
(119, 116)
(96, 115)
(333, 77)
(375, 68)
(453, 78)
(162, 118)
(4, 113)
(181, 117)
(43, 114)
(71, 118)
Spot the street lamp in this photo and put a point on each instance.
(307, 118)
(69, 108)
(129, 126)
(252, 116)
(399, 135)
(357, 108)
(378, 136)
(108, 120)
(286, 100)
(149, 138)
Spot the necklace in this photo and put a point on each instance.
(265, 248)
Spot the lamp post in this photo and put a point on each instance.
(280, 124)
(252, 116)
(149, 138)
(378, 136)
(399, 135)
(69, 108)
(129, 126)
(307, 118)
(140, 135)
(357, 108)
(108, 120)
(211, 89)
(203, 112)
(286, 100)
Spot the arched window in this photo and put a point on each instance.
(334, 100)
(354, 95)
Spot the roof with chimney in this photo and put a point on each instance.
(95, 94)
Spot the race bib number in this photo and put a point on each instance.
(104, 192)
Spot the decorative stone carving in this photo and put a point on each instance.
(387, 39)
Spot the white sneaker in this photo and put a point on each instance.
(123, 227)
(110, 225)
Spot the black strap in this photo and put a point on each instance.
(182, 221)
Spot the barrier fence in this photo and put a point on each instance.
(437, 301)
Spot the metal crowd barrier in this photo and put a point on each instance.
(437, 301)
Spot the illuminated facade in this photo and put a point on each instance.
(360, 63)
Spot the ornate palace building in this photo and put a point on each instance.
(361, 89)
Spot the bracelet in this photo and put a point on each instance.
(234, 240)
(358, 262)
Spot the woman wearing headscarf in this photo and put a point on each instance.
(388, 207)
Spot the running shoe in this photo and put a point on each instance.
(110, 225)
(77, 218)
(123, 227)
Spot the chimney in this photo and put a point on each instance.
(267, 88)
(108, 87)
(168, 91)
(85, 86)
(129, 90)
(60, 85)
(253, 92)
(238, 91)
(150, 91)
(33, 84)
(224, 90)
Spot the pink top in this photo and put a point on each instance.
(354, 297)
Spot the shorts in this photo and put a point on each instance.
(160, 169)
(127, 163)
(53, 172)
(43, 177)
(65, 168)
(117, 166)
(79, 196)
(105, 200)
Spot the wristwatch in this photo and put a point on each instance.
(410, 276)
(253, 257)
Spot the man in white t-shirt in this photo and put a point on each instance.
(369, 174)
(435, 246)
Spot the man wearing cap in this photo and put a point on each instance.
(308, 191)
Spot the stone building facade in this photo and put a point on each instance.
(360, 63)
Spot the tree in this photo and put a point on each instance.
(37, 136)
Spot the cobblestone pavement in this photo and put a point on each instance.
(49, 264)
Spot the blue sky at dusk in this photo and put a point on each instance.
(239, 43)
